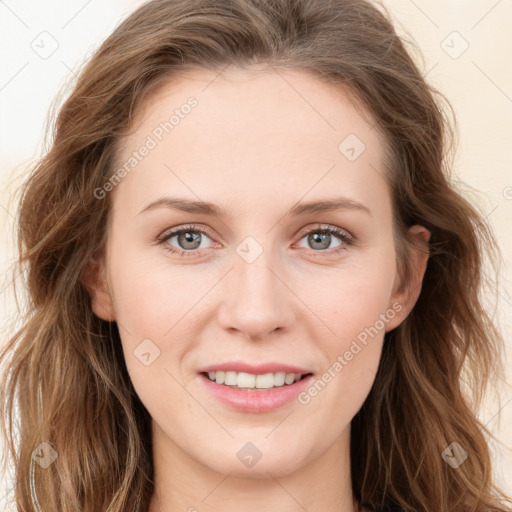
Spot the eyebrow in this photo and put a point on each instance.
(207, 208)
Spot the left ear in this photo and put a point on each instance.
(405, 295)
(95, 281)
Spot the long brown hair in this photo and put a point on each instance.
(65, 382)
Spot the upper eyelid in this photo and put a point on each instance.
(324, 227)
(174, 231)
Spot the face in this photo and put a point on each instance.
(264, 274)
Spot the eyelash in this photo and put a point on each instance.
(341, 234)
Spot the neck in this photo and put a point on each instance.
(322, 484)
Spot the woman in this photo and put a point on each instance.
(252, 284)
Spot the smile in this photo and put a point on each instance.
(244, 380)
(254, 399)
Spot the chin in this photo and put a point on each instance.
(278, 465)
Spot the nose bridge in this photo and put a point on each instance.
(256, 301)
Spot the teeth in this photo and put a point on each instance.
(230, 379)
(250, 381)
(246, 380)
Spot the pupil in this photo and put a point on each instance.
(317, 238)
(188, 237)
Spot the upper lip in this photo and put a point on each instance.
(257, 369)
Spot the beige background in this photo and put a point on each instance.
(466, 45)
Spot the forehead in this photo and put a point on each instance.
(251, 132)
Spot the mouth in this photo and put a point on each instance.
(254, 393)
(254, 382)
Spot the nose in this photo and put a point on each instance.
(256, 300)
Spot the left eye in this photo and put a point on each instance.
(189, 239)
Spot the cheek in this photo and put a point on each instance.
(158, 311)
(357, 315)
(351, 297)
(152, 296)
(336, 399)
(153, 324)
(354, 304)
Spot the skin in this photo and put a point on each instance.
(257, 143)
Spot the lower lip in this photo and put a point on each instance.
(247, 400)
